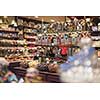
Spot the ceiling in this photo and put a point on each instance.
(58, 18)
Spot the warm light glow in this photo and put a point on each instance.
(87, 19)
(52, 20)
(42, 20)
(5, 16)
(0, 20)
(36, 16)
(14, 23)
(68, 19)
(98, 23)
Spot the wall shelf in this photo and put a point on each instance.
(9, 31)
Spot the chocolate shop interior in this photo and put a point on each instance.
(49, 49)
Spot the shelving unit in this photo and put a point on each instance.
(30, 19)
(9, 38)
(26, 31)
(29, 40)
(8, 31)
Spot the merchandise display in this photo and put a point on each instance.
(35, 50)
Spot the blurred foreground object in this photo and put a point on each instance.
(81, 67)
(32, 76)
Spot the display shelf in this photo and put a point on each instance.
(10, 42)
(9, 31)
(29, 37)
(46, 45)
(24, 26)
(12, 47)
(9, 38)
(30, 19)
(50, 77)
(95, 33)
(46, 76)
(18, 61)
(57, 45)
(49, 73)
(29, 33)
(31, 43)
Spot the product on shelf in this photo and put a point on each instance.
(33, 63)
(96, 43)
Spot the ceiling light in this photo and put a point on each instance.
(98, 23)
(5, 16)
(36, 17)
(52, 20)
(42, 20)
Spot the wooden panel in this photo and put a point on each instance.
(49, 18)
(50, 77)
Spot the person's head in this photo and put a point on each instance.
(32, 73)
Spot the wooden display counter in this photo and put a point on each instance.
(50, 77)
(47, 77)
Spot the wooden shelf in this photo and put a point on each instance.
(9, 31)
(29, 37)
(10, 38)
(49, 73)
(50, 77)
(24, 26)
(11, 47)
(30, 19)
(95, 33)
(57, 45)
(47, 76)
(29, 32)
